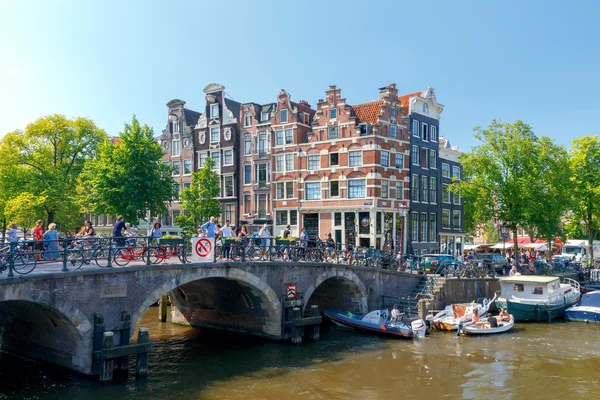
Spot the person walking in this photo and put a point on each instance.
(155, 233)
(38, 236)
(51, 243)
(226, 232)
(287, 232)
(209, 228)
(265, 237)
(118, 229)
(13, 236)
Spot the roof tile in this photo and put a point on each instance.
(368, 112)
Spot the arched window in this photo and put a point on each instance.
(425, 108)
(248, 119)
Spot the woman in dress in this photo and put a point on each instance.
(51, 242)
(38, 236)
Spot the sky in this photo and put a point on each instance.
(537, 61)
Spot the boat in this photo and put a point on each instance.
(472, 329)
(419, 328)
(586, 310)
(586, 287)
(376, 321)
(449, 318)
(537, 298)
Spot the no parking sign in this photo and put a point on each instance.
(203, 249)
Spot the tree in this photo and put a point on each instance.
(491, 232)
(128, 178)
(584, 160)
(201, 200)
(498, 174)
(48, 157)
(24, 209)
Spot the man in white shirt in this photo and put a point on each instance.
(226, 232)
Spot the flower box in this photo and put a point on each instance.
(170, 241)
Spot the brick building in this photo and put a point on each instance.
(217, 136)
(452, 237)
(177, 140)
(352, 169)
(423, 223)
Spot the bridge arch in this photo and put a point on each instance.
(37, 324)
(223, 298)
(338, 288)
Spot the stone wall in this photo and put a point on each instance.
(464, 291)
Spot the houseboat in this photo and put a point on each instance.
(537, 298)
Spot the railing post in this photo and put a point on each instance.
(110, 253)
(11, 259)
(65, 256)
(215, 249)
(148, 251)
(183, 259)
(242, 248)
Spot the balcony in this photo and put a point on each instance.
(262, 184)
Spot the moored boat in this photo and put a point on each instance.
(586, 310)
(376, 321)
(537, 298)
(454, 314)
(484, 329)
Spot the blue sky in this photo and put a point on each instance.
(532, 60)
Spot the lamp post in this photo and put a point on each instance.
(402, 211)
(504, 233)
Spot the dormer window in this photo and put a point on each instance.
(264, 116)
(174, 126)
(425, 108)
(365, 129)
(393, 112)
(214, 110)
(333, 113)
(248, 119)
(283, 116)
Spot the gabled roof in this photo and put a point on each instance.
(404, 100)
(191, 117)
(233, 106)
(368, 112)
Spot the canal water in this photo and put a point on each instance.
(534, 361)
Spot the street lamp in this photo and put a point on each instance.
(403, 212)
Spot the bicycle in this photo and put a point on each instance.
(83, 251)
(164, 252)
(124, 256)
(24, 259)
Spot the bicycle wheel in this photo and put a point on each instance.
(179, 251)
(234, 252)
(24, 263)
(118, 257)
(75, 256)
(157, 255)
(101, 257)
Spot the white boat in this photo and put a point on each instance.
(586, 310)
(449, 318)
(419, 328)
(503, 326)
(537, 298)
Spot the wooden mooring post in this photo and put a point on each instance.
(163, 306)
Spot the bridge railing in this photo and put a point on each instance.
(72, 253)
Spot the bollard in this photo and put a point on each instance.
(108, 341)
(148, 262)
(183, 259)
(297, 330)
(162, 305)
(64, 268)
(142, 358)
(316, 328)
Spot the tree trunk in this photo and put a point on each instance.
(3, 228)
(516, 245)
(591, 236)
(50, 216)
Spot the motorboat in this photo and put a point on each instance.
(586, 310)
(454, 314)
(484, 329)
(537, 298)
(589, 287)
(419, 328)
(377, 321)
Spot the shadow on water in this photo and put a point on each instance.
(184, 361)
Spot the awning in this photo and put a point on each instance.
(471, 246)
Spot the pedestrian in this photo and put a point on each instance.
(13, 236)
(226, 232)
(209, 228)
(38, 236)
(287, 232)
(265, 237)
(243, 234)
(155, 233)
(118, 229)
(51, 243)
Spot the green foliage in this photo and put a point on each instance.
(491, 232)
(128, 178)
(584, 164)
(516, 178)
(201, 200)
(46, 160)
(24, 209)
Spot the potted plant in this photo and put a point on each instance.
(232, 240)
(289, 241)
(170, 240)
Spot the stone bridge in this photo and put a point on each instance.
(51, 316)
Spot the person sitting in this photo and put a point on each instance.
(492, 322)
(396, 314)
(475, 318)
(504, 316)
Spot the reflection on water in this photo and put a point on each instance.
(534, 361)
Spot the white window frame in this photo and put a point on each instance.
(217, 165)
(446, 192)
(190, 164)
(424, 131)
(178, 172)
(225, 186)
(432, 190)
(454, 213)
(202, 155)
(279, 134)
(432, 227)
(416, 128)
(399, 157)
(213, 113)
(385, 194)
(285, 136)
(338, 161)
(247, 145)
(225, 157)
(282, 113)
(248, 119)
(306, 190)
(218, 131)
(264, 116)
(387, 154)
(433, 133)
(312, 157)
(424, 197)
(416, 160)
(333, 113)
(415, 188)
(456, 172)
(400, 190)
(338, 189)
(335, 130)
(393, 131)
(175, 148)
(444, 167)
(175, 126)
(249, 182)
(350, 181)
(393, 112)
(449, 219)
(432, 156)
(351, 158)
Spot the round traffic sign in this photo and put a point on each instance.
(203, 247)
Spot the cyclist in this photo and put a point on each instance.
(118, 228)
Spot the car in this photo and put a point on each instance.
(436, 263)
(497, 261)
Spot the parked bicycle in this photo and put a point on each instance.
(24, 258)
